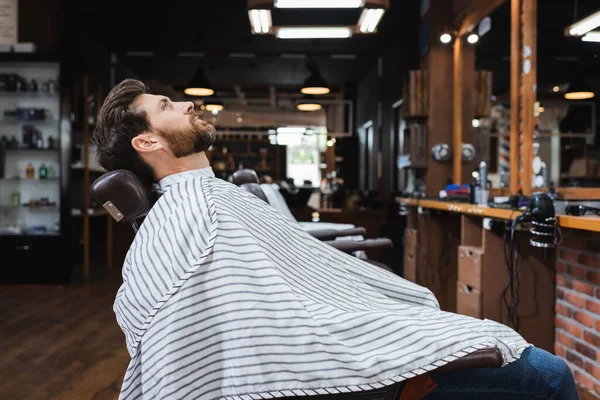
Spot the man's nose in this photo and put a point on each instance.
(187, 107)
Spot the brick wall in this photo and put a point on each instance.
(577, 318)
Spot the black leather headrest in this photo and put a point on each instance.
(255, 189)
(245, 176)
(123, 195)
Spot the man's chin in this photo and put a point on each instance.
(205, 126)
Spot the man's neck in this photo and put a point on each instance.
(195, 161)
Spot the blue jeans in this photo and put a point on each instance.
(536, 375)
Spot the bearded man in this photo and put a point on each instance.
(223, 297)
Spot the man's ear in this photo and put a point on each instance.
(145, 143)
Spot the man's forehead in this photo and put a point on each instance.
(145, 101)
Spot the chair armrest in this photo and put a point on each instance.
(484, 358)
(350, 246)
(330, 234)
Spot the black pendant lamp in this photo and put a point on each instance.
(308, 103)
(199, 85)
(314, 84)
(214, 106)
(579, 90)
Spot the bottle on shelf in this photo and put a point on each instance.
(52, 172)
(15, 199)
(30, 171)
(43, 171)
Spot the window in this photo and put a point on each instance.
(303, 160)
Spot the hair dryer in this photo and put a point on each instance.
(541, 213)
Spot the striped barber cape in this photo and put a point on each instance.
(224, 298)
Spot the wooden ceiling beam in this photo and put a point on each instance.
(468, 13)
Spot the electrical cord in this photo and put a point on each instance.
(545, 234)
(513, 261)
(508, 263)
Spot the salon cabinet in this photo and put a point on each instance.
(29, 259)
(468, 286)
(465, 266)
(34, 206)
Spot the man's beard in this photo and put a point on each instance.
(196, 138)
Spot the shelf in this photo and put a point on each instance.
(30, 234)
(29, 122)
(53, 180)
(587, 223)
(29, 95)
(76, 212)
(10, 206)
(27, 149)
(461, 208)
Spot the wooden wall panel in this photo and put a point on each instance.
(438, 62)
(411, 252)
(439, 238)
(38, 23)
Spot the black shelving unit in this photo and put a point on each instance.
(34, 206)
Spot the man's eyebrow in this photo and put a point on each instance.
(163, 101)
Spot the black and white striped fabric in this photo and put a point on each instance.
(224, 298)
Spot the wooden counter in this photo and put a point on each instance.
(465, 265)
(588, 223)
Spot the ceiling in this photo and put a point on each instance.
(168, 42)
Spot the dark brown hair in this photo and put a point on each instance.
(117, 124)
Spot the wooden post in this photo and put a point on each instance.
(438, 64)
(86, 181)
(468, 13)
(528, 89)
(523, 83)
(515, 84)
(468, 108)
(457, 131)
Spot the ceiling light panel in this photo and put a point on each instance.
(318, 3)
(369, 19)
(584, 25)
(314, 32)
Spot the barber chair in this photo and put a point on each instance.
(126, 199)
(123, 196)
(247, 179)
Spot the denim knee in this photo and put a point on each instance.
(554, 370)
